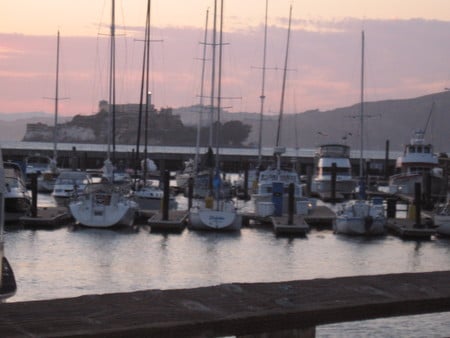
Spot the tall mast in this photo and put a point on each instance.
(219, 85)
(55, 132)
(262, 96)
(147, 91)
(213, 73)
(112, 85)
(361, 116)
(284, 79)
(200, 115)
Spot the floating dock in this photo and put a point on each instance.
(47, 217)
(320, 215)
(407, 228)
(175, 222)
(281, 225)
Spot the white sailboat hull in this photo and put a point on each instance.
(103, 211)
(360, 218)
(224, 219)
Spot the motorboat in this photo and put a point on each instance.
(150, 197)
(417, 163)
(329, 158)
(8, 286)
(359, 217)
(44, 168)
(270, 177)
(69, 185)
(103, 205)
(17, 198)
(441, 218)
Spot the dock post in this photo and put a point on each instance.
(246, 197)
(391, 208)
(33, 194)
(427, 191)
(190, 191)
(386, 161)
(74, 161)
(165, 204)
(291, 190)
(277, 198)
(309, 171)
(418, 204)
(333, 182)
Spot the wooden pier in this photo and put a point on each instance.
(281, 309)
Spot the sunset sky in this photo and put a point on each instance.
(407, 49)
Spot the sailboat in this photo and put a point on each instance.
(283, 178)
(217, 213)
(105, 204)
(191, 167)
(8, 285)
(361, 217)
(147, 195)
(46, 180)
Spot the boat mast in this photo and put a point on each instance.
(55, 132)
(219, 86)
(213, 74)
(200, 115)
(147, 91)
(262, 96)
(284, 79)
(112, 85)
(361, 116)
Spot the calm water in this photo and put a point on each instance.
(68, 262)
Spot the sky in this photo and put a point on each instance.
(405, 55)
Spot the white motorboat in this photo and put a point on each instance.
(103, 205)
(69, 185)
(441, 218)
(45, 169)
(17, 198)
(8, 285)
(359, 217)
(264, 193)
(417, 161)
(326, 156)
(150, 197)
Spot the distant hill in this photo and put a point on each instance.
(392, 120)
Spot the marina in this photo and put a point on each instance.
(142, 258)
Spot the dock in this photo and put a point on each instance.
(321, 215)
(407, 228)
(298, 226)
(237, 309)
(47, 217)
(176, 221)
